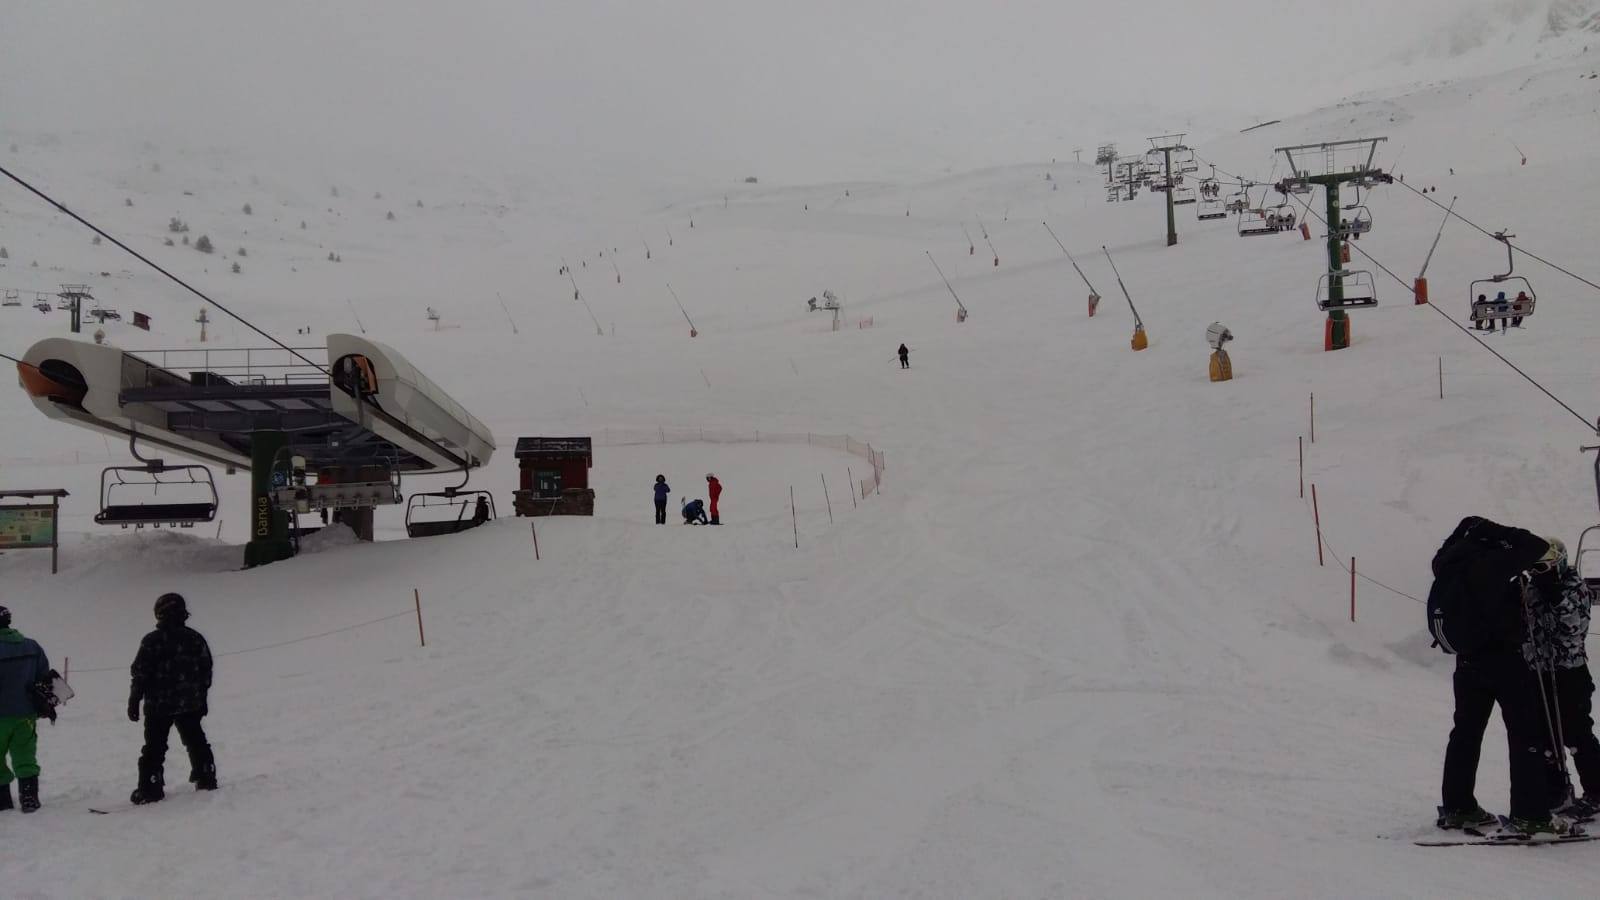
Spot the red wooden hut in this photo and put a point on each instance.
(555, 476)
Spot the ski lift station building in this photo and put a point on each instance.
(555, 476)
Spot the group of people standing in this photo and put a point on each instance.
(171, 680)
(1515, 613)
(693, 511)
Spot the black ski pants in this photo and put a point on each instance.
(661, 511)
(1571, 693)
(156, 731)
(1481, 681)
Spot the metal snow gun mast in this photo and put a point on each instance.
(1330, 166)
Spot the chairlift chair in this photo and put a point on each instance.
(1254, 222)
(122, 486)
(12, 298)
(451, 511)
(1518, 306)
(1211, 209)
(1184, 196)
(1360, 291)
(1356, 225)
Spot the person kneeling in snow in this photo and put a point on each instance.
(694, 513)
(172, 675)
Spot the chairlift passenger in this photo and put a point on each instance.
(1522, 303)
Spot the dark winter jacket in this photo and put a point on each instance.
(1484, 558)
(662, 490)
(172, 673)
(22, 665)
(1558, 606)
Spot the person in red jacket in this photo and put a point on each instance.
(715, 488)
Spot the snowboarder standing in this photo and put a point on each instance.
(22, 665)
(172, 676)
(662, 491)
(1559, 605)
(715, 488)
(1475, 611)
(905, 357)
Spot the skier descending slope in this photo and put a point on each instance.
(172, 675)
(905, 357)
(1475, 612)
(22, 665)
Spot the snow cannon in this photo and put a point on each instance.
(1421, 291)
(1094, 304)
(1141, 341)
(1221, 366)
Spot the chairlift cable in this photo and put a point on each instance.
(1588, 424)
(1489, 234)
(147, 261)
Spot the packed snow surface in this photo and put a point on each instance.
(1078, 645)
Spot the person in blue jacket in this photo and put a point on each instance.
(694, 513)
(22, 665)
(662, 490)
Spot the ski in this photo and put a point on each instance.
(1505, 842)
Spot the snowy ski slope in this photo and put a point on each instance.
(1078, 646)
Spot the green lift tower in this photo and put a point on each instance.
(1330, 166)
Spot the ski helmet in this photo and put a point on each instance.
(5, 617)
(710, 477)
(1557, 553)
(171, 606)
(660, 478)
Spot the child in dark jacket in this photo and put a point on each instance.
(172, 677)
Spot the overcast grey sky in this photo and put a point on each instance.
(791, 89)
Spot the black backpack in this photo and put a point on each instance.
(1474, 602)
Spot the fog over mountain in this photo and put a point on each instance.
(711, 88)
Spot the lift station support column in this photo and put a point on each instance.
(269, 525)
